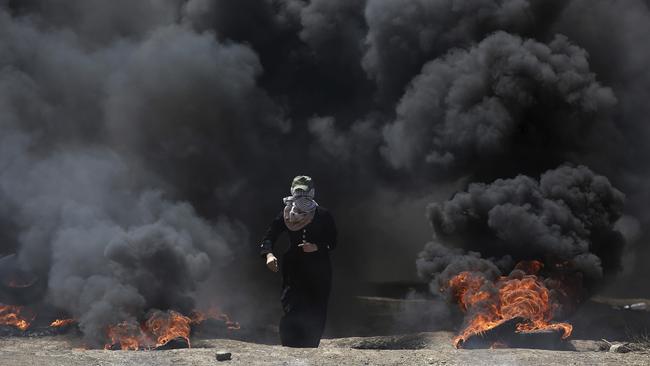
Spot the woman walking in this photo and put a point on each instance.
(306, 269)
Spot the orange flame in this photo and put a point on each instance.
(61, 323)
(214, 313)
(492, 303)
(127, 335)
(160, 328)
(168, 326)
(14, 316)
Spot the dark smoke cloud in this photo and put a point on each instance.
(109, 250)
(195, 118)
(86, 152)
(570, 214)
(354, 146)
(334, 25)
(175, 126)
(506, 96)
(615, 38)
(438, 263)
(98, 22)
(402, 36)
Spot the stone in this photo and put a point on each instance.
(223, 356)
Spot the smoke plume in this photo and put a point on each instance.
(568, 215)
(145, 146)
(475, 107)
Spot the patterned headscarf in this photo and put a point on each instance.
(299, 208)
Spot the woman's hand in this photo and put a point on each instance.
(272, 262)
(308, 247)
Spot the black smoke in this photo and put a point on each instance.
(568, 216)
(144, 139)
(402, 36)
(500, 103)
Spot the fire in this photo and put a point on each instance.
(168, 326)
(159, 328)
(15, 316)
(490, 303)
(61, 323)
(127, 335)
(214, 313)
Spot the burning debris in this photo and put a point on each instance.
(522, 296)
(156, 331)
(162, 330)
(557, 230)
(15, 316)
(59, 323)
(506, 335)
(23, 321)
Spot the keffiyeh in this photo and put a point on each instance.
(299, 209)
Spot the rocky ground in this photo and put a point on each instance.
(416, 349)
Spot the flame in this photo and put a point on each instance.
(214, 313)
(14, 316)
(490, 303)
(61, 323)
(168, 326)
(159, 328)
(125, 334)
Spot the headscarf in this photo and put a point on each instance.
(299, 208)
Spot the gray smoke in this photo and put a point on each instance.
(568, 215)
(111, 250)
(166, 132)
(477, 106)
(81, 186)
(438, 264)
(402, 36)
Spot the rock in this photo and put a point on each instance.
(619, 348)
(223, 356)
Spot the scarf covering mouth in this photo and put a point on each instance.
(299, 209)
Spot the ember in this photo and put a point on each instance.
(489, 304)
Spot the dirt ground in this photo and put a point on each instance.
(425, 349)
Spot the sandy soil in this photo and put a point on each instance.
(427, 349)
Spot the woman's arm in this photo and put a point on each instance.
(272, 233)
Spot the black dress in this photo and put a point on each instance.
(306, 278)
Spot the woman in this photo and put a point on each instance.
(306, 269)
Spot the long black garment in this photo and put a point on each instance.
(306, 278)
